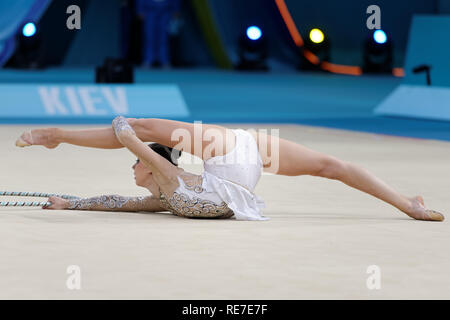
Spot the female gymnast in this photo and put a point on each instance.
(232, 159)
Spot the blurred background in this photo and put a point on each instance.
(229, 61)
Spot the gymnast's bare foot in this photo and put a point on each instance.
(418, 211)
(39, 137)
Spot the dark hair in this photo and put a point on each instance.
(168, 153)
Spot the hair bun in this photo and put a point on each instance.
(166, 152)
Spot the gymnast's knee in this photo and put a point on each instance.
(332, 168)
(143, 127)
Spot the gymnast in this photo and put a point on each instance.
(233, 161)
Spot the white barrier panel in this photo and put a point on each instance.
(77, 101)
(423, 102)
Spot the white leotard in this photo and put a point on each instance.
(227, 180)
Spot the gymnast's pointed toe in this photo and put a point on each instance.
(46, 137)
(25, 140)
(435, 216)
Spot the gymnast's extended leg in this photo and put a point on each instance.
(294, 160)
(188, 137)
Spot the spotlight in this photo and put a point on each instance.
(29, 29)
(253, 50)
(30, 51)
(380, 36)
(316, 50)
(254, 33)
(316, 36)
(378, 53)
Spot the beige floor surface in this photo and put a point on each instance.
(320, 240)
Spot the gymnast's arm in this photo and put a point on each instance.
(108, 203)
(164, 172)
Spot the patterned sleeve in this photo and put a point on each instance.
(117, 203)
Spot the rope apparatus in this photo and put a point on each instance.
(30, 194)
(24, 204)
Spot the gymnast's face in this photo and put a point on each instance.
(142, 175)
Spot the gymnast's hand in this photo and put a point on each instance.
(122, 128)
(57, 204)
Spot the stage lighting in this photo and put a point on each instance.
(316, 50)
(253, 50)
(29, 29)
(115, 71)
(30, 51)
(380, 36)
(316, 35)
(378, 53)
(254, 33)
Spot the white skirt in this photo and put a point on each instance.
(233, 177)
